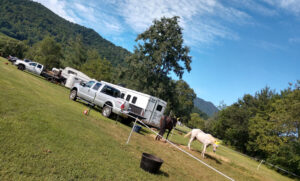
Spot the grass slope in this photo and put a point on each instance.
(45, 136)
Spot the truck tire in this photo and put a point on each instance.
(73, 95)
(106, 111)
(21, 67)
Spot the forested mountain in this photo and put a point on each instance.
(205, 106)
(31, 21)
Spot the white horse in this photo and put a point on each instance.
(205, 139)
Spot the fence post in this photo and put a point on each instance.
(259, 164)
(131, 131)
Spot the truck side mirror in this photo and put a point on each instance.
(82, 84)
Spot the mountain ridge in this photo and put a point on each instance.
(31, 21)
(205, 106)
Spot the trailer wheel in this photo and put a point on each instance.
(21, 67)
(73, 95)
(106, 111)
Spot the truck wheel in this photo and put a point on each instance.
(21, 67)
(73, 95)
(106, 111)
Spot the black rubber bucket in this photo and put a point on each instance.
(151, 163)
(137, 128)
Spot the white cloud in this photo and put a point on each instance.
(292, 6)
(60, 8)
(203, 21)
(83, 8)
(270, 46)
(294, 40)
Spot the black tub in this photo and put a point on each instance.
(150, 163)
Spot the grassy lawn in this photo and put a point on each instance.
(45, 136)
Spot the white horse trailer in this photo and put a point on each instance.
(73, 76)
(143, 105)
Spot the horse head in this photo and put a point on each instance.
(215, 145)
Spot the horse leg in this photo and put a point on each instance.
(160, 134)
(189, 145)
(203, 151)
(168, 133)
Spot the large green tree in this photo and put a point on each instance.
(196, 121)
(160, 52)
(97, 68)
(185, 100)
(265, 125)
(11, 46)
(47, 52)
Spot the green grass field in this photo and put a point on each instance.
(45, 136)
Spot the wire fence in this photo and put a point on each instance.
(214, 169)
(261, 161)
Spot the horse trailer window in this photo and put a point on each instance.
(128, 97)
(134, 100)
(159, 108)
(71, 72)
(122, 96)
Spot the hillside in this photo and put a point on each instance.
(31, 21)
(45, 136)
(207, 107)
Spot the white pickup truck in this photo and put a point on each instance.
(101, 95)
(30, 66)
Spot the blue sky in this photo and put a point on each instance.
(238, 46)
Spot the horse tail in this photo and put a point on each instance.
(189, 133)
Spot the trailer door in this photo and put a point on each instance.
(149, 110)
(158, 112)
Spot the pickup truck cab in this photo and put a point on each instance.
(101, 95)
(30, 66)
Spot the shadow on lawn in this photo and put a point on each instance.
(116, 118)
(165, 174)
(209, 157)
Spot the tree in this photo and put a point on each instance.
(287, 111)
(185, 101)
(97, 68)
(76, 52)
(196, 121)
(10, 46)
(159, 53)
(47, 52)
(202, 114)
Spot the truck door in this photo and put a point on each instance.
(38, 69)
(84, 90)
(31, 67)
(92, 92)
